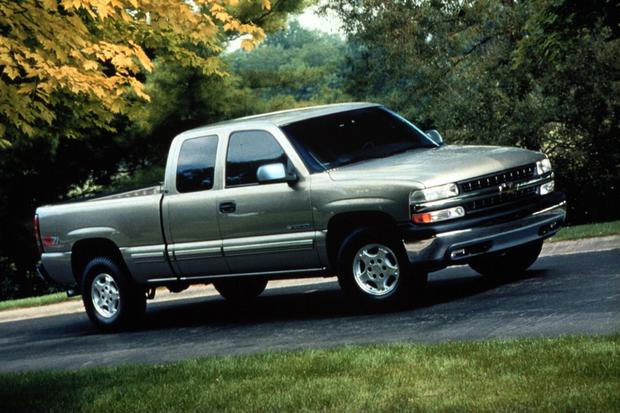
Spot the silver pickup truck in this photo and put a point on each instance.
(348, 190)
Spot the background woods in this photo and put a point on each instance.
(92, 92)
(80, 96)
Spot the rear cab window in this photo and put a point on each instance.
(196, 164)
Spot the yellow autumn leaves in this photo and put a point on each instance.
(95, 51)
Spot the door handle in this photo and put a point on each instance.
(228, 207)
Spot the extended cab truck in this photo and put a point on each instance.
(348, 189)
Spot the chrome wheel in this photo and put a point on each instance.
(376, 270)
(105, 296)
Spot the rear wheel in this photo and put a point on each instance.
(240, 290)
(510, 262)
(110, 298)
(374, 270)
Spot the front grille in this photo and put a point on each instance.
(499, 199)
(498, 187)
(487, 181)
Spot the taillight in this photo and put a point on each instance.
(37, 234)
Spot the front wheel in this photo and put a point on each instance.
(374, 270)
(510, 262)
(111, 300)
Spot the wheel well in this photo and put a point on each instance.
(85, 250)
(341, 225)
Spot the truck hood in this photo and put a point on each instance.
(437, 166)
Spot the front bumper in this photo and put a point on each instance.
(436, 247)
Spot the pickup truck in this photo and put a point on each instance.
(349, 190)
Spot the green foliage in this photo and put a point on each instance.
(8, 271)
(95, 51)
(88, 145)
(139, 178)
(293, 67)
(571, 54)
(14, 283)
(271, 20)
(182, 98)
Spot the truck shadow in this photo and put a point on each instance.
(311, 302)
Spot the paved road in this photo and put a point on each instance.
(567, 294)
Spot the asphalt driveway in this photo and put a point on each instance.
(577, 293)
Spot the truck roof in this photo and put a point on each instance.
(286, 117)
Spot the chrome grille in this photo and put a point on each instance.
(487, 181)
(493, 191)
(499, 199)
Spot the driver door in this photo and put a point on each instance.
(268, 226)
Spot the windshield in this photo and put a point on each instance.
(343, 138)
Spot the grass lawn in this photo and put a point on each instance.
(558, 374)
(588, 231)
(35, 301)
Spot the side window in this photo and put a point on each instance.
(247, 151)
(196, 164)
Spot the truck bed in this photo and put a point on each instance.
(130, 220)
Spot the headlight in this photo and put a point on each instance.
(544, 166)
(433, 194)
(547, 188)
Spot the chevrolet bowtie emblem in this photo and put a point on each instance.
(507, 187)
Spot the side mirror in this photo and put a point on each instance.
(275, 172)
(435, 136)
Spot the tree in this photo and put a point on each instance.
(98, 50)
(293, 67)
(571, 55)
(83, 85)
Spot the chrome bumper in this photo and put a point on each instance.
(456, 247)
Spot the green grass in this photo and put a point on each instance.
(588, 231)
(556, 375)
(34, 301)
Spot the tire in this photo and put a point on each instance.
(373, 270)
(510, 262)
(240, 290)
(110, 298)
